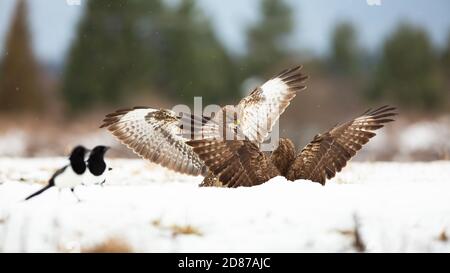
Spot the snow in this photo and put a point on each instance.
(428, 135)
(13, 142)
(393, 207)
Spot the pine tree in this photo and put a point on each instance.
(20, 87)
(346, 54)
(408, 71)
(446, 57)
(195, 62)
(123, 46)
(266, 40)
(445, 62)
(115, 51)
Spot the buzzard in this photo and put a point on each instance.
(157, 135)
(225, 148)
(234, 163)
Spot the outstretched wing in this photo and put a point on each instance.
(155, 135)
(259, 111)
(255, 115)
(235, 162)
(328, 153)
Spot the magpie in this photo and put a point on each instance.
(70, 175)
(97, 168)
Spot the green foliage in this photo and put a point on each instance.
(266, 40)
(20, 89)
(346, 54)
(194, 62)
(124, 46)
(127, 46)
(408, 71)
(113, 51)
(446, 58)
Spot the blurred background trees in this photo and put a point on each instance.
(408, 70)
(267, 38)
(115, 50)
(446, 58)
(160, 53)
(346, 54)
(20, 87)
(128, 51)
(193, 61)
(128, 46)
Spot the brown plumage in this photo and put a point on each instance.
(241, 163)
(259, 111)
(283, 156)
(159, 135)
(329, 152)
(155, 135)
(255, 115)
(234, 162)
(211, 180)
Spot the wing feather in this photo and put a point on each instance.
(328, 153)
(235, 162)
(155, 135)
(259, 111)
(255, 115)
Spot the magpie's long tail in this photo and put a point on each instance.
(39, 192)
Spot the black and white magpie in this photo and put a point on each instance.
(97, 167)
(70, 175)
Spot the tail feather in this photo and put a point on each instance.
(39, 191)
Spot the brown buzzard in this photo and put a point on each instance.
(234, 163)
(156, 134)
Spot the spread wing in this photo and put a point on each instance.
(235, 162)
(155, 135)
(259, 111)
(255, 115)
(328, 153)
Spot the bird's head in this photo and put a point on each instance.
(100, 150)
(78, 153)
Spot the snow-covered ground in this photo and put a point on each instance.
(374, 207)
